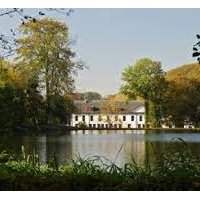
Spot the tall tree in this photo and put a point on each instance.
(146, 79)
(44, 53)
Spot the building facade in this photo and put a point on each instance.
(131, 115)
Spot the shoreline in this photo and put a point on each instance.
(146, 129)
(61, 128)
(45, 129)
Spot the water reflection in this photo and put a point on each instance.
(118, 146)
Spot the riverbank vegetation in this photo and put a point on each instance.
(171, 98)
(172, 171)
(182, 99)
(35, 86)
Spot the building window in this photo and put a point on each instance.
(83, 118)
(99, 118)
(132, 118)
(90, 125)
(91, 118)
(129, 125)
(106, 125)
(76, 118)
(99, 125)
(120, 126)
(124, 118)
(102, 125)
(116, 118)
(115, 125)
(140, 118)
(94, 125)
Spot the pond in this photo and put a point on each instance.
(118, 146)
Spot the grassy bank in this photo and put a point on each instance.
(177, 171)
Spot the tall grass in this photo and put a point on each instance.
(173, 171)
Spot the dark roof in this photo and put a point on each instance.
(94, 107)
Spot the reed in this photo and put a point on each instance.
(174, 171)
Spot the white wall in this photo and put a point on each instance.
(124, 124)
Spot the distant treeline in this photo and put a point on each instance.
(171, 98)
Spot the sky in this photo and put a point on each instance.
(108, 40)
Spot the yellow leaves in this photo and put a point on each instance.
(10, 75)
(113, 102)
(43, 27)
(189, 71)
(41, 37)
(117, 97)
(183, 79)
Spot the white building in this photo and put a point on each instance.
(89, 114)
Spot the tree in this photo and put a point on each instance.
(34, 105)
(12, 110)
(146, 79)
(182, 100)
(21, 103)
(21, 16)
(89, 96)
(112, 104)
(183, 95)
(24, 81)
(44, 55)
(61, 109)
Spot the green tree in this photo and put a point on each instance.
(61, 109)
(12, 110)
(44, 55)
(182, 101)
(146, 79)
(183, 95)
(34, 105)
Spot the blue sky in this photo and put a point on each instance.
(107, 40)
(110, 39)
